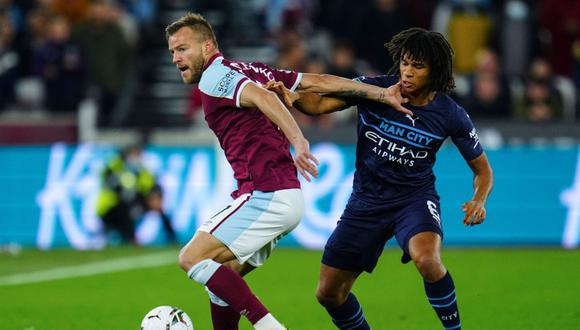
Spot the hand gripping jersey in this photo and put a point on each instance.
(396, 152)
(256, 148)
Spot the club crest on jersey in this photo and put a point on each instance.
(412, 119)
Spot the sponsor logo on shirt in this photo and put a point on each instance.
(412, 119)
(474, 136)
(393, 151)
(225, 82)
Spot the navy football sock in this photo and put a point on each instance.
(349, 315)
(441, 295)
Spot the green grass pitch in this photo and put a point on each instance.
(497, 289)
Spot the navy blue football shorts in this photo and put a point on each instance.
(363, 230)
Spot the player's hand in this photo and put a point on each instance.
(474, 212)
(287, 96)
(304, 160)
(393, 97)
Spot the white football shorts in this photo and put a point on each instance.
(253, 223)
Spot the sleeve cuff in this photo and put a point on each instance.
(297, 82)
(238, 92)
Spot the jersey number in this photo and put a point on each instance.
(433, 210)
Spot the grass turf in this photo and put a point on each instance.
(497, 289)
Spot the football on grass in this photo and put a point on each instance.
(166, 318)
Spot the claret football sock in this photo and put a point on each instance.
(230, 287)
(349, 315)
(224, 317)
(441, 295)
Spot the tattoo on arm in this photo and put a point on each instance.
(351, 93)
(381, 96)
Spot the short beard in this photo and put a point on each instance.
(194, 79)
(196, 71)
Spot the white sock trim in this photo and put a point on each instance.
(215, 299)
(268, 322)
(203, 271)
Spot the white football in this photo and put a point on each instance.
(166, 318)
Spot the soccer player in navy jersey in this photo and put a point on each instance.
(255, 130)
(394, 185)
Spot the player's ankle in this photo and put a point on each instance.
(268, 322)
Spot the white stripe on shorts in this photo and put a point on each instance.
(253, 223)
(224, 214)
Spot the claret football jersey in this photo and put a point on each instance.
(255, 147)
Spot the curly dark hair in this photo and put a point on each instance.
(426, 46)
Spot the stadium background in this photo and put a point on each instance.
(52, 192)
(53, 146)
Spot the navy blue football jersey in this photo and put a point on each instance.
(396, 152)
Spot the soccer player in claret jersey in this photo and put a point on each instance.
(255, 130)
(394, 185)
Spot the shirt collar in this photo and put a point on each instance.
(212, 59)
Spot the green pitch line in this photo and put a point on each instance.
(496, 288)
(91, 269)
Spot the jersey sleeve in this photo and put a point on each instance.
(290, 79)
(380, 81)
(383, 81)
(357, 102)
(367, 80)
(220, 81)
(464, 135)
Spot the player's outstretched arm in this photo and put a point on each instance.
(338, 86)
(268, 102)
(309, 103)
(482, 182)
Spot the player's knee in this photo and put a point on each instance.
(330, 298)
(184, 261)
(429, 266)
(187, 260)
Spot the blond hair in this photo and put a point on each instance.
(195, 22)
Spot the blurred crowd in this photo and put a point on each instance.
(55, 53)
(514, 59)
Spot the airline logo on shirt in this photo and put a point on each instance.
(394, 152)
(398, 143)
